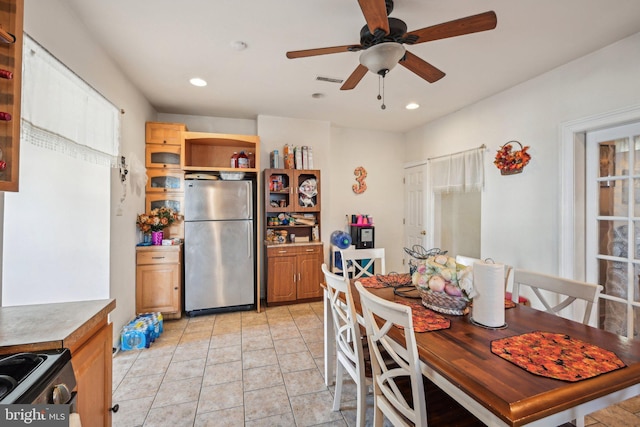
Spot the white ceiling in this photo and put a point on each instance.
(161, 44)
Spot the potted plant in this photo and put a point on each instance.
(155, 222)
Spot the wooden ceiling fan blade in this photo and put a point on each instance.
(321, 51)
(458, 27)
(375, 13)
(421, 67)
(354, 78)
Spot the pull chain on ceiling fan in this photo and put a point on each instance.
(382, 40)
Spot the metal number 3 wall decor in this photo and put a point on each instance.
(360, 186)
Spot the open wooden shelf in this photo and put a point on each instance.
(11, 18)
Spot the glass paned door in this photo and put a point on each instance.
(613, 225)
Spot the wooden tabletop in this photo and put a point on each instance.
(462, 355)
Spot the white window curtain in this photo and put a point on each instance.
(60, 219)
(459, 172)
(64, 113)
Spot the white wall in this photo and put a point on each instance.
(521, 213)
(53, 25)
(54, 243)
(211, 124)
(337, 152)
(382, 156)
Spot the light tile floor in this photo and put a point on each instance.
(249, 369)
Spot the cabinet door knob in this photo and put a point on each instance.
(175, 289)
(157, 257)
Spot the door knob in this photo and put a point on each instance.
(423, 232)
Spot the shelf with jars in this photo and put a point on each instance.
(292, 205)
(294, 252)
(214, 152)
(11, 23)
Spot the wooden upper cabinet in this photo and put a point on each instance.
(11, 17)
(164, 133)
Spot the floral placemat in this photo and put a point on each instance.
(425, 320)
(508, 303)
(371, 282)
(556, 356)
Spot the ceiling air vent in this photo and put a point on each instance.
(329, 79)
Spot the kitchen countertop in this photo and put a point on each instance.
(50, 326)
(289, 244)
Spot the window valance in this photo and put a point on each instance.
(61, 112)
(458, 172)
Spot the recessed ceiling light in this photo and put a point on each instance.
(412, 106)
(196, 81)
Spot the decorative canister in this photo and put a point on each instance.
(156, 237)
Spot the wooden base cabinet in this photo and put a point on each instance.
(294, 273)
(93, 368)
(159, 280)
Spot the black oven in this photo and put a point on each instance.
(44, 377)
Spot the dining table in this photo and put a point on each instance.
(460, 361)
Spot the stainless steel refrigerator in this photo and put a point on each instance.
(219, 246)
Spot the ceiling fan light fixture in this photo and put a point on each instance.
(381, 58)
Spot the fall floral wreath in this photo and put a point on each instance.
(509, 161)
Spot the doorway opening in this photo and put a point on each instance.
(457, 219)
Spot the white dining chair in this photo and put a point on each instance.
(566, 291)
(350, 355)
(362, 261)
(399, 365)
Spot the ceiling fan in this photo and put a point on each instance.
(382, 38)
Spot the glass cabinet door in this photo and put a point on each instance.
(161, 181)
(307, 190)
(280, 191)
(162, 156)
(169, 200)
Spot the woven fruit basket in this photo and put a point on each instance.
(418, 253)
(443, 302)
